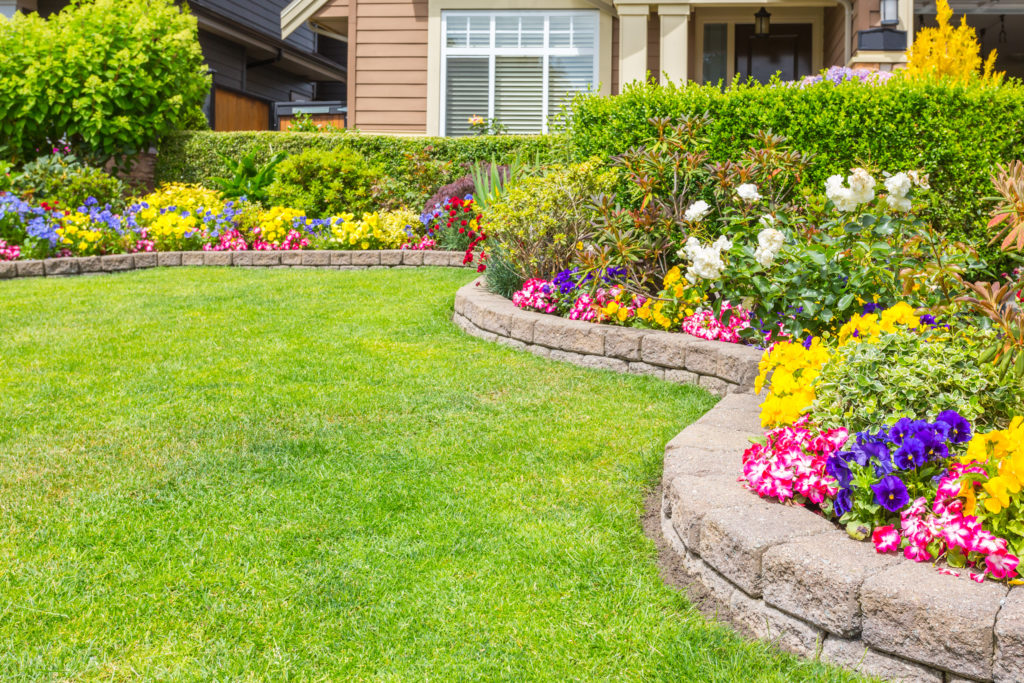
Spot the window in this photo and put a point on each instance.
(517, 68)
(716, 51)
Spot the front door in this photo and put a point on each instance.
(786, 51)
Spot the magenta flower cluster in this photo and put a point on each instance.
(790, 465)
(9, 252)
(926, 534)
(537, 295)
(723, 327)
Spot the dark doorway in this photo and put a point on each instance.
(786, 50)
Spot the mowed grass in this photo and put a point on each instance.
(220, 474)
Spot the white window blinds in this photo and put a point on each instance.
(515, 68)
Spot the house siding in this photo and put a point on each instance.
(264, 16)
(835, 34)
(388, 66)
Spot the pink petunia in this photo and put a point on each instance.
(886, 539)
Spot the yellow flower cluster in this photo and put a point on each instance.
(793, 369)
(171, 226)
(669, 315)
(1002, 454)
(275, 222)
(950, 51)
(374, 230)
(871, 326)
(184, 197)
(78, 233)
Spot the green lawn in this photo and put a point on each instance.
(282, 474)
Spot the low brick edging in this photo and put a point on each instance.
(337, 260)
(719, 367)
(782, 573)
(773, 571)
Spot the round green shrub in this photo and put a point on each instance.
(66, 180)
(325, 183)
(538, 222)
(108, 77)
(867, 385)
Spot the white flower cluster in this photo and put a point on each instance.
(706, 262)
(748, 193)
(860, 191)
(697, 211)
(898, 186)
(769, 242)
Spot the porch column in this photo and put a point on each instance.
(632, 43)
(675, 46)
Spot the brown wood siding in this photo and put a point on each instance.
(615, 55)
(654, 47)
(232, 111)
(866, 14)
(388, 65)
(834, 35)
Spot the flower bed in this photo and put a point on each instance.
(189, 218)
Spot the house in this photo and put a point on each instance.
(427, 66)
(251, 65)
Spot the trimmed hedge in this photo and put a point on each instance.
(194, 157)
(954, 132)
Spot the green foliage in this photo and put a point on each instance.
(412, 168)
(108, 76)
(304, 123)
(954, 132)
(866, 386)
(325, 183)
(539, 221)
(64, 179)
(248, 179)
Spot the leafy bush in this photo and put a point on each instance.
(914, 375)
(539, 221)
(247, 178)
(108, 76)
(412, 168)
(955, 132)
(64, 180)
(325, 183)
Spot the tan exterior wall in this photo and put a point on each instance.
(387, 60)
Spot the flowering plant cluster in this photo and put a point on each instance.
(178, 217)
(791, 464)
(456, 225)
(792, 368)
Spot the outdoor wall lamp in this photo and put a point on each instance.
(763, 23)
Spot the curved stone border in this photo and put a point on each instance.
(719, 367)
(337, 260)
(772, 571)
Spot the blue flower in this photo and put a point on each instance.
(891, 493)
(910, 454)
(843, 502)
(839, 469)
(959, 428)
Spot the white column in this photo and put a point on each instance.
(632, 43)
(675, 43)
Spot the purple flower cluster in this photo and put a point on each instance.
(568, 281)
(840, 74)
(894, 456)
(35, 222)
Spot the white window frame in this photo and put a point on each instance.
(491, 52)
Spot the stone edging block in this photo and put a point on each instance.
(114, 263)
(720, 367)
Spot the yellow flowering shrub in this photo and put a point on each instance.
(79, 234)
(183, 197)
(871, 326)
(677, 300)
(950, 51)
(374, 230)
(275, 223)
(792, 368)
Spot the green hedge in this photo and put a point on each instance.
(954, 132)
(193, 157)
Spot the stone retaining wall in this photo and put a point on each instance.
(772, 571)
(719, 367)
(338, 260)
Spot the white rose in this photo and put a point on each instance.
(862, 186)
(897, 203)
(748, 193)
(769, 243)
(697, 210)
(898, 185)
(919, 179)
